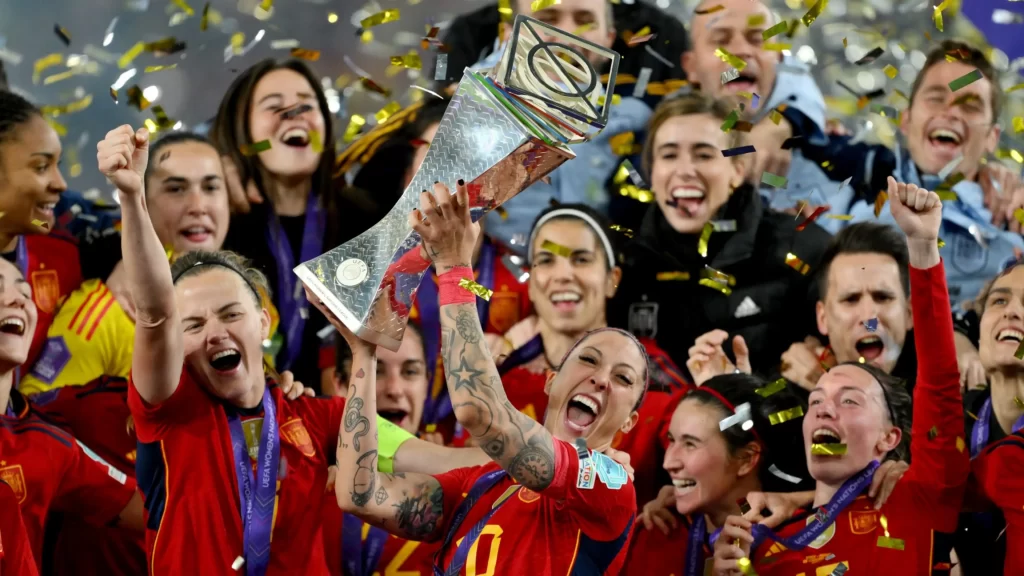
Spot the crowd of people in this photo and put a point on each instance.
(730, 377)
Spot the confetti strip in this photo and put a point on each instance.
(184, 7)
(640, 88)
(63, 34)
(786, 415)
(933, 432)
(237, 564)
(797, 264)
(136, 99)
(1019, 354)
(814, 216)
(773, 180)
(949, 167)
(828, 449)
(374, 87)
(380, 18)
(44, 63)
(284, 44)
(738, 151)
(538, 5)
(305, 54)
(1018, 124)
(814, 12)
(113, 94)
(386, 112)
(965, 80)
(711, 10)
(880, 201)
(871, 56)
(716, 280)
(776, 116)
(255, 148)
(777, 46)
(886, 541)
(890, 71)
(1019, 215)
(652, 52)
(773, 388)
(478, 289)
(871, 324)
(740, 416)
(775, 30)
(724, 225)
(702, 242)
(614, 227)
(730, 121)
(780, 474)
(746, 568)
(937, 15)
(556, 249)
(41, 224)
(844, 217)
(960, 445)
(730, 59)
(315, 141)
(410, 60)
(204, 21)
(674, 276)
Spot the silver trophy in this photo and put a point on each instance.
(502, 131)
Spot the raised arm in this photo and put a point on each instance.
(515, 441)
(159, 348)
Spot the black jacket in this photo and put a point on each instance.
(778, 301)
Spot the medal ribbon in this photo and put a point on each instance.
(438, 408)
(291, 302)
(695, 547)
(980, 432)
(21, 259)
(480, 487)
(360, 560)
(257, 494)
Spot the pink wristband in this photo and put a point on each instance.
(449, 291)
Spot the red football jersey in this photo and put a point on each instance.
(48, 470)
(15, 550)
(654, 553)
(186, 472)
(929, 496)
(580, 524)
(53, 272)
(97, 414)
(996, 474)
(400, 557)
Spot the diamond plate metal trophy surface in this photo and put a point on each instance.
(501, 133)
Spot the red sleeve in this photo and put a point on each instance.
(324, 420)
(153, 421)
(997, 472)
(15, 550)
(940, 465)
(92, 488)
(596, 491)
(455, 484)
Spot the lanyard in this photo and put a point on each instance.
(21, 258)
(258, 494)
(437, 407)
(291, 302)
(525, 353)
(980, 433)
(695, 554)
(360, 560)
(480, 487)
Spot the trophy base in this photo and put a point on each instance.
(346, 316)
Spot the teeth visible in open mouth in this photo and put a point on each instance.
(565, 297)
(1010, 334)
(683, 483)
(944, 135)
(869, 340)
(12, 326)
(296, 136)
(48, 205)
(686, 193)
(825, 436)
(223, 354)
(586, 401)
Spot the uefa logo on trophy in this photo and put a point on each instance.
(503, 131)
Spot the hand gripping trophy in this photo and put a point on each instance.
(502, 131)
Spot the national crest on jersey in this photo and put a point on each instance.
(45, 289)
(294, 432)
(503, 312)
(15, 478)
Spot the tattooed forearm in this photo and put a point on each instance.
(354, 419)
(380, 495)
(419, 514)
(365, 478)
(510, 438)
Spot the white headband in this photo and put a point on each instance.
(575, 214)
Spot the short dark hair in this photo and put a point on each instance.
(170, 139)
(601, 220)
(342, 352)
(973, 57)
(899, 404)
(866, 238)
(198, 261)
(781, 445)
(14, 111)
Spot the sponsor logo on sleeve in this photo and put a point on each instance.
(610, 472)
(585, 479)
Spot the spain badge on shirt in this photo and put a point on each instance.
(15, 478)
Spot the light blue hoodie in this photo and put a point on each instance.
(579, 180)
(975, 250)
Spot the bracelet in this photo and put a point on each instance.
(449, 291)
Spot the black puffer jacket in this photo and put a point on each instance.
(771, 305)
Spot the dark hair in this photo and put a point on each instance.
(646, 377)
(601, 220)
(781, 444)
(981, 301)
(14, 111)
(197, 261)
(3, 76)
(866, 238)
(609, 13)
(170, 139)
(231, 131)
(969, 55)
(343, 353)
(899, 404)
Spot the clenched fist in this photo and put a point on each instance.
(123, 156)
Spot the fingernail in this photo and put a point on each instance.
(462, 182)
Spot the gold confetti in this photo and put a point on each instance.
(797, 264)
(184, 7)
(730, 121)
(616, 99)
(1018, 124)
(538, 5)
(773, 388)
(880, 201)
(746, 568)
(933, 432)
(941, 243)
(386, 112)
(374, 87)
(478, 289)
(937, 14)
(237, 42)
(44, 63)
(886, 541)
(41, 224)
(673, 276)
(960, 444)
(126, 59)
(136, 99)
(755, 20)
(774, 30)
(717, 280)
(69, 108)
(730, 59)
(303, 53)
(410, 60)
(777, 47)
(63, 34)
(710, 10)
(59, 128)
(814, 12)
(556, 249)
(702, 242)
(255, 148)
(204, 22)
(355, 124)
(890, 71)
(776, 116)
(828, 449)
(151, 69)
(266, 5)
(786, 415)
(315, 142)
(380, 18)
(505, 9)
(624, 144)
(366, 37)
(840, 216)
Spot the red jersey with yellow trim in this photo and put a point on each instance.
(186, 471)
(15, 550)
(399, 557)
(97, 414)
(996, 474)
(580, 524)
(49, 471)
(929, 496)
(53, 271)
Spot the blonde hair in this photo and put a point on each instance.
(687, 105)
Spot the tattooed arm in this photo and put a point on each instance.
(408, 505)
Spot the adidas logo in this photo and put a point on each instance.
(747, 308)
